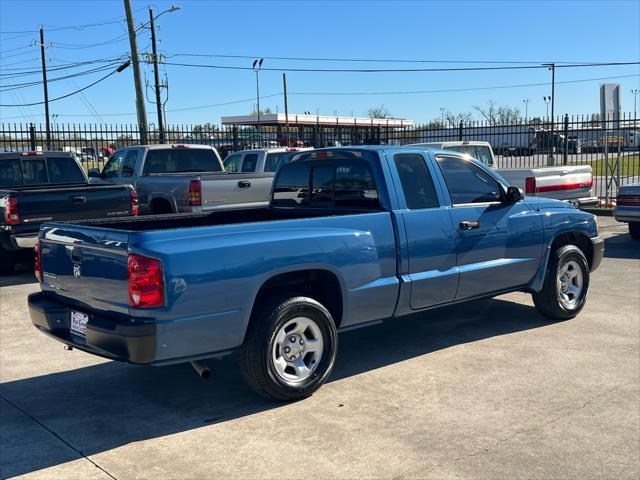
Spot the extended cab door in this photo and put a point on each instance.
(499, 245)
(431, 239)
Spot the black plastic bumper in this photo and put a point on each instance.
(598, 252)
(105, 337)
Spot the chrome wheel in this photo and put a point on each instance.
(297, 349)
(569, 284)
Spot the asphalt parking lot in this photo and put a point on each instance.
(485, 390)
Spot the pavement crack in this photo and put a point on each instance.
(79, 452)
(537, 427)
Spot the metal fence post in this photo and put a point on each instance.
(565, 153)
(460, 130)
(235, 138)
(32, 136)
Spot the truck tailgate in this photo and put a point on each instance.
(86, 267)
(78, 202)
(562, 182)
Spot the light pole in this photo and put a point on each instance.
(257, 64)
(547, 100)
(635, 92)
(526, 108)
(442, 116)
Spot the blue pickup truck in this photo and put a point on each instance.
(351, 236)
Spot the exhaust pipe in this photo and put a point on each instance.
(202, 370)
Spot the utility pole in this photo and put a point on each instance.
(46, 89)
(256, 68)
(135, 63)
(286, 106)
(552, 160)
(156, 77)
(526, 108)
(635, 93)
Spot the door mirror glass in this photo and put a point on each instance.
(94, 173)
(513, 195)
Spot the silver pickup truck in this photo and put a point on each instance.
(181, 178)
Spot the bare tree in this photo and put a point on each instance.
(453, 120)
(379, 112)
(496, 114)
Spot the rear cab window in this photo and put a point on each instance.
(327, 179)
(10, 172)
(181, 160)
(34, 171)
(250, 162)
(273, 160)
(64, 170)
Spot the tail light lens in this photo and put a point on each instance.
(530, 185)
(195, 193)
(11, 212)
(37, 261)
(628, 200)
(146, 284)
(135, 205)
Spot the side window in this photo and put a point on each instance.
(417, 184)
(232, 163)
(272, 161)
(484, 155)
(468, 183)
(355, 187)
(112, 168)
(34, 172)
(292, 185)
(64, 170)
(249, 163)
(322, 186)
(129, 164)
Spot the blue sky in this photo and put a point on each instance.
(543, 31)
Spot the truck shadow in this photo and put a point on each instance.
(109, 405)
(622, 246)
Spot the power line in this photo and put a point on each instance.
(122, 67)
(371, 60)
(55, 79)
(397, 70)
(26, 71)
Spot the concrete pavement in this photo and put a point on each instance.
(484, 390)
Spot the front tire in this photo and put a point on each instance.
(566, 284)
(634, 230)
(290, 349)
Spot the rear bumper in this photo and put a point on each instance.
(105, 336)
(627, 215)
(598, 252)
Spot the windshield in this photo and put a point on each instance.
(181, 160)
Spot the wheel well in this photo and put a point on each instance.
(579, 240)
(321, 285)
(160, 205)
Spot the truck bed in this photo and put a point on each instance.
(209, 219)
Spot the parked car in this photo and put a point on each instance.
(36, 187)
(627, 208)
(183, 178)
(570, 183)
(352, 236)
(257, 160)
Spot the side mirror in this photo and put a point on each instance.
(94, 173)
(513, 195)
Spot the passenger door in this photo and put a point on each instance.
(431, 241)
(499, 244)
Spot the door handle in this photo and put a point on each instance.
(79, 199)
(244, 183)
(469, 224)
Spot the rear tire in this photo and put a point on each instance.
(566, 284)
(290, 349)
(634, 230)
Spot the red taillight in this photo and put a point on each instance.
(11, 212)
(180, 145)
(195, 193)
(628, 200)
(530, 185)
(135, 205)
(146, 285)
(37, 261)
(32, 154)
